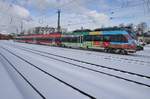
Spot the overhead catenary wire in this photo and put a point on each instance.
(126, 5)
(54, 8)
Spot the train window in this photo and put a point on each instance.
(87, 38)
(47, 39)
(57, 39)
(97, 38)
(93, 38)
(122, 39)
(64, 39)
(70, 39)
(118, 38)
(106, 38)
(50, 39)
(73, 39)
(38, 39)
(132, 34)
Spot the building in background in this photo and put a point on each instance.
(42, 30)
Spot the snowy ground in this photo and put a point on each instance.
(41, 72)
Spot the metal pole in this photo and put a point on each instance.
(58, 22)
(21, 27)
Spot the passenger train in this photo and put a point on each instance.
(110, 40)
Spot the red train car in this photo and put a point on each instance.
(46, 39)
(5, 37)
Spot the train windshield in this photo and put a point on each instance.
(132, 34)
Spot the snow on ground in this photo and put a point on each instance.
(112, 60)
(95, 84)
(8, 90)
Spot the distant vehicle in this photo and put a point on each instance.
(144, 38)
(110, 40)
(141, 42)
(139, 46)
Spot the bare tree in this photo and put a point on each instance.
(142, 27)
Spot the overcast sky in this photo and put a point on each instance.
(74, 13)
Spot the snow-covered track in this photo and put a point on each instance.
(94, 70)
(31, 85)
(47, 73)
(110, 56)
(96, 65)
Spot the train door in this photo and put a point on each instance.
(34, 40)
(81, 41)
(53, 41)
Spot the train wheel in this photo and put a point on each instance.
(106, 50)
(111, 50)
(117, 51)
(63, 45)
(87, 47)
(124, 52)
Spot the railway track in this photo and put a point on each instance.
(25, 79)
(96, 65)
(114, 57)
(45, 72)
(127, 59)
(80, 66)
(110, 57)
(122, 58)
